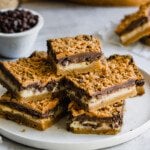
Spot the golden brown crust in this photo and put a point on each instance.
(42, 104)
(90, 131)
(140, 90)
(33, 70)
(128, 60)
(137, 72)
(139, 76)
(69, 46)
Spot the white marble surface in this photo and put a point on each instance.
(69, 19)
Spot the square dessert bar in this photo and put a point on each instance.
(94, 90)
(39, 113)
(135, 26)
(76, 54)
(107, 120)
(28, 76)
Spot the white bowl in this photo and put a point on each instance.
(15, 45)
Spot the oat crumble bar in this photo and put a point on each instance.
(77, 54)
(28, 76)
(107, 120)
(39, 113)
(94, 90)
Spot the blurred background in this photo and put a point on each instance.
(16, 3)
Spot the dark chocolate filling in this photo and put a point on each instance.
(70, 86)
(49, 86)
(31, 111)
(84, 57)
(134, 24)
(83, 118)
(62, 95)
(109, 120)
(89, 56)
(81, 93)
(114, 88)
(140, 82)
(115, 118)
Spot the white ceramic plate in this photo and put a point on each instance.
(136, 121)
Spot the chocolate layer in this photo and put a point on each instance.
(114, 88)
(89, 56)
(134, 24)
(70, 86)
(84, 57)
(83, 118)
(113, 122)
(140, 82)
(31, 111)
(49, 86)
(40, 124)
(80, 93)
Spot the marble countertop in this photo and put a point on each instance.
(70, 19)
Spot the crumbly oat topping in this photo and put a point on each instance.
(142, 12)
(138, 73)
(108, 111)
(63, 47)
(35, 69)
(41, 104)
(121, 71)
(129, 62)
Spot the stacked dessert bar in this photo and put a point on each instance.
(29, 101)
(96, 93)
(101, 102)
(74, 73)
(76, 55)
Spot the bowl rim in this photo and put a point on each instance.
(36, 28)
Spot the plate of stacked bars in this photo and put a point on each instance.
(73, 97)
